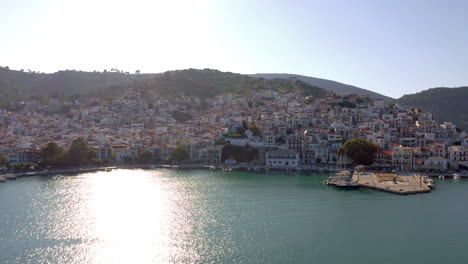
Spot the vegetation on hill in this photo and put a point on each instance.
(208, 83)
(71, 84)
(329, 85)
(447, 104)
(16, 85)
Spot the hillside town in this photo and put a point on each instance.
(287, 130)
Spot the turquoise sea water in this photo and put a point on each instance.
(165, 216)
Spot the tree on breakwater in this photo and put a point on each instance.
(359, 150)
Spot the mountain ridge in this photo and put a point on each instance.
(204, 83)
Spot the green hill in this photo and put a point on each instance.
(447, 104)
(16, 85)
(205, 83)
(329, 85)
(208, 83)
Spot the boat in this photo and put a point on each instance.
(456, 176)
(441, 177)
(330, 181)
(346, 185)
(2, 179)
(212, 168)
(343, 173)
(10, 177)
(430, 183)
(342, 181)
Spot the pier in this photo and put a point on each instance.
(394, 183)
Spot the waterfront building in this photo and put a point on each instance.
(282, 158)
(436, 164)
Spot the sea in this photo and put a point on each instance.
(202, 216)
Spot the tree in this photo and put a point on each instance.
(51, 154)
(238, 153)
(79, 153)
(128, 160)
(179, 154)
(254, 128)
(359, 150)
(318, 160)
(145, 157)
(3, 160)
(137, 72)
(181, 116)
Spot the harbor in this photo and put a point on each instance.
(397, 183)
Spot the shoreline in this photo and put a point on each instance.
(262, 168)
(174, 167)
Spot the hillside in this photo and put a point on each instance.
(208, 83)
(205, 83)
(23, 85)
(448, 104)
(325, 84)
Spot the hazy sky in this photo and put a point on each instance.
(392, 47)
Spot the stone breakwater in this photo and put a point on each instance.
(393, 183)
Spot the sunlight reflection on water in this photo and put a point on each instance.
(126, 216)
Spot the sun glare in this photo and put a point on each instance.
(126, 231)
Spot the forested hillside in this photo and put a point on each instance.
(205, 83)
(329, 85)
(448, 104)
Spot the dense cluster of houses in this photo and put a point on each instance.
(293, 130)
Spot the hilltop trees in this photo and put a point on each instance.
(110, 84)
(359, 150)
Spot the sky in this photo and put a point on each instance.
(392, 47)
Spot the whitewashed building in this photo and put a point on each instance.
(282, 159)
